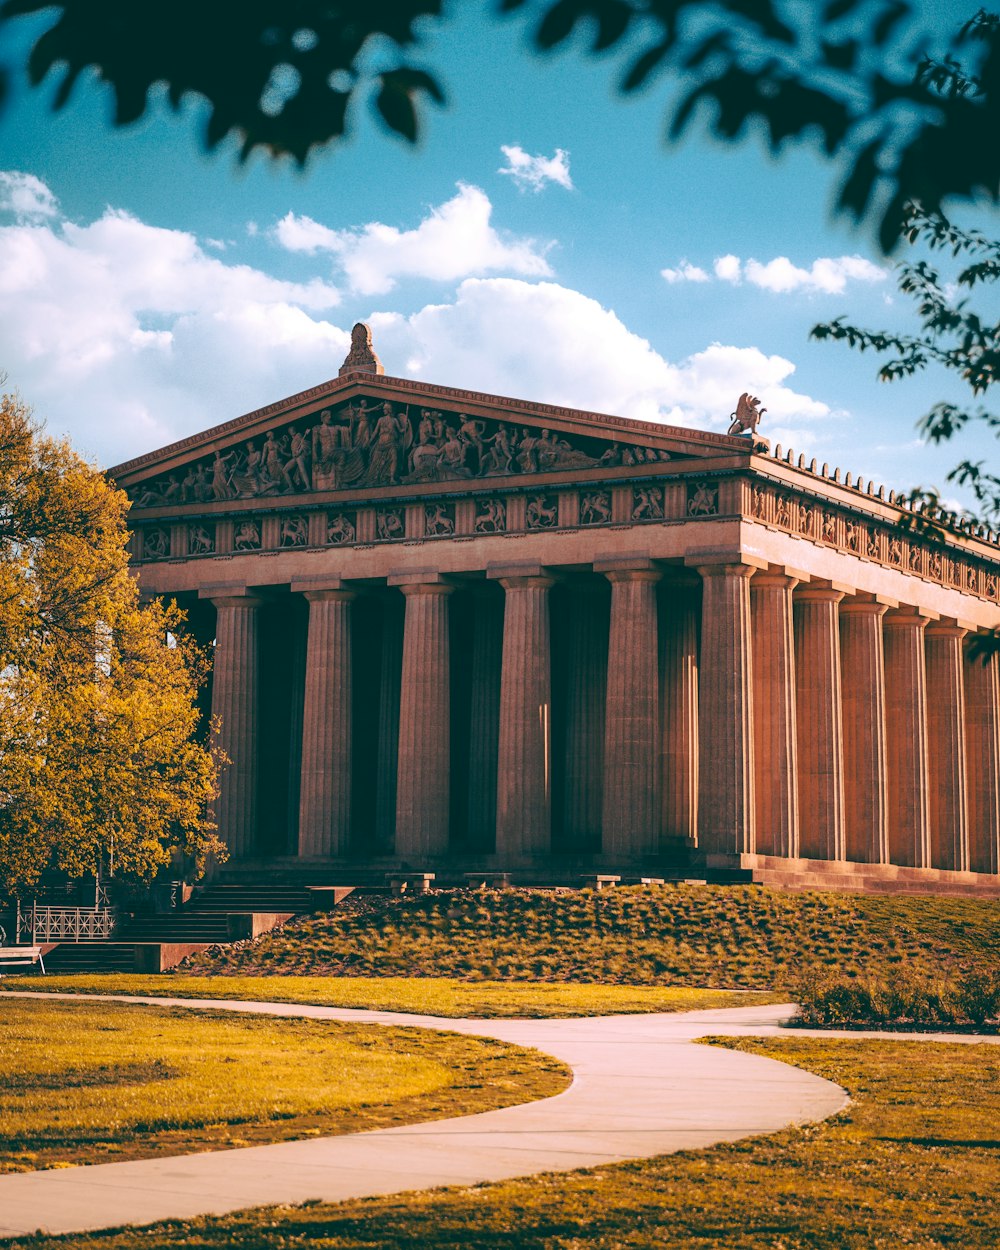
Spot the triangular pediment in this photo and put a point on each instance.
(362, 432)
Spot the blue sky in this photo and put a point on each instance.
(151, 291)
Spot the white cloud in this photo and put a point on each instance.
(546, 342)
(127, 336)
(727, 268)
(26, 196)
(533, 172)
(829, 274)
(685, 272)
(454, 241)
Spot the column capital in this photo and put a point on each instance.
(742, 571)
(305, 585)
(330, 596)
(406, 578)
(716, 562)
(234, 600)
(523, 570)
(867, 605)
(228, 590)
(632, 575)
(908, 618)
(833, 592)
(626, 562)
(414, 589)
(947, 628)
(780, 579)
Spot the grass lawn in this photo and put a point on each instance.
(912, 1162)
(87, 1082)
(434, 996)
(715, 936)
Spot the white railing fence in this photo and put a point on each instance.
(66, 924)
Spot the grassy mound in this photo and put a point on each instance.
(656, 935)
(87, 1083)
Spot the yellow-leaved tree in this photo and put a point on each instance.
(100, 765)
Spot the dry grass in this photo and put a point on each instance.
(89, 1082)
(432, 996)
(912, 1162)
(675, 935)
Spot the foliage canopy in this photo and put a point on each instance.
(99, 764)
(854, 77)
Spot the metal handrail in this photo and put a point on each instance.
(69, 924)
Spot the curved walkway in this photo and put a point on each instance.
(640, 1088)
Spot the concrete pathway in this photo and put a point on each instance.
(640, 1088)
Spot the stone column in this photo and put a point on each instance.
(325, 799)
(586, 693)
(387, 751)
(630, 819)
(423, 786)
(679, 710)
(775, 747)
(484, 719)
(726, 816)
(524, 799)
(982, 721)
(906, 735)
(946, 766)
(866, 813)
(235, 696)
(820, 738)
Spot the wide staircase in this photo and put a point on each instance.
(220, 913)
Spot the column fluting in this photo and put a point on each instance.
(423, 787)
(524, 799)
(630, 821)
(946, 760)
(586, 695)
(726, 815)
(906, 736)
(678, 624)
(484, 720)
(387, 748)
(235, 701)
(820, 738)
(775, 746)
(862, 660)
(982, 712)
(325, 798)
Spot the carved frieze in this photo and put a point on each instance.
(246, 535)
(542, 512)
(702, 499)
(341, 528)
(439, 520)
(491, 517)
(155, 542)
(647, 503)
(294, 532)
(201, 539)
(595, 507)
(369, 443)
(389, 524)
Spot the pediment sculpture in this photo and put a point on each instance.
(368, 443)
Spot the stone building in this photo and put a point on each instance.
(456, 632)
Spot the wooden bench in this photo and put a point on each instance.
(599, 881)
(21, 956)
